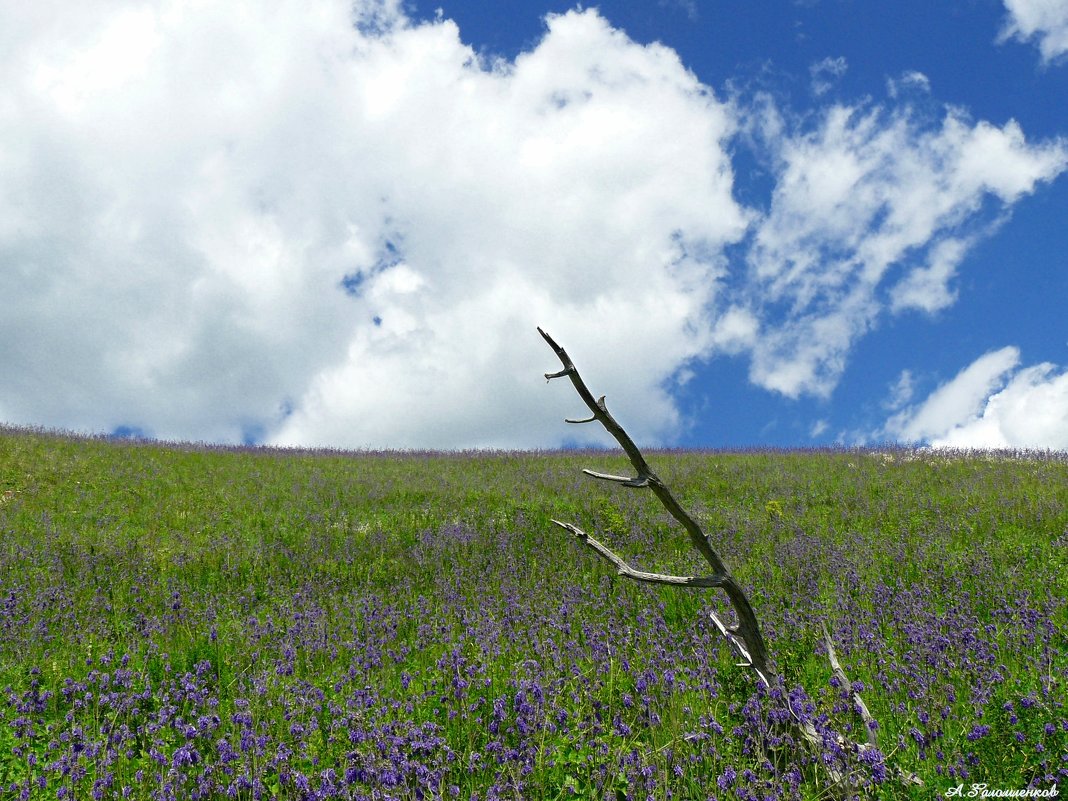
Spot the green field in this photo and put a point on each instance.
(182, 622)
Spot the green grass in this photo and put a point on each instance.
(333, 597)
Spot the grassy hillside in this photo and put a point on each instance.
(182, 622)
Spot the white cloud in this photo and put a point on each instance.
(825, 73)
(957, 401)
(737, 329)
(320, 223)
(927, 287)
(992, 404)
(872, 205)
(1030, 412)
(1044, 20)
(901, 391)
(186, 192)
(911, 80)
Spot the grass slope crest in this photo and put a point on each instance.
(182, 622)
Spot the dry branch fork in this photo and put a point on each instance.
(745, 638)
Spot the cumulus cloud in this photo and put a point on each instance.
(323, 226)
(1043, 20)
(957, 401)
(737, 329)
(991, 403)
(1030, 412)
(323, 223)
(872, 212)
(927, 287)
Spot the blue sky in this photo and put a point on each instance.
(334, 224)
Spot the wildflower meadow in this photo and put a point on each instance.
(189, 622)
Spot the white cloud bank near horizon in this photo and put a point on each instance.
(187, 191)
(991, 403)
(219, 222)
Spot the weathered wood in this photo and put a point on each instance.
(623, 569)
(858, 703)
(745, 638)
(754, 652)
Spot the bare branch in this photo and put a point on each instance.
(730, 634)
(639, 575)
(626, 481)
(745, 638)
(858, 702)
(748, 629)
(596, 406)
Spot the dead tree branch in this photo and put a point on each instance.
(858, 703)
(745, 638)
(638, 575)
